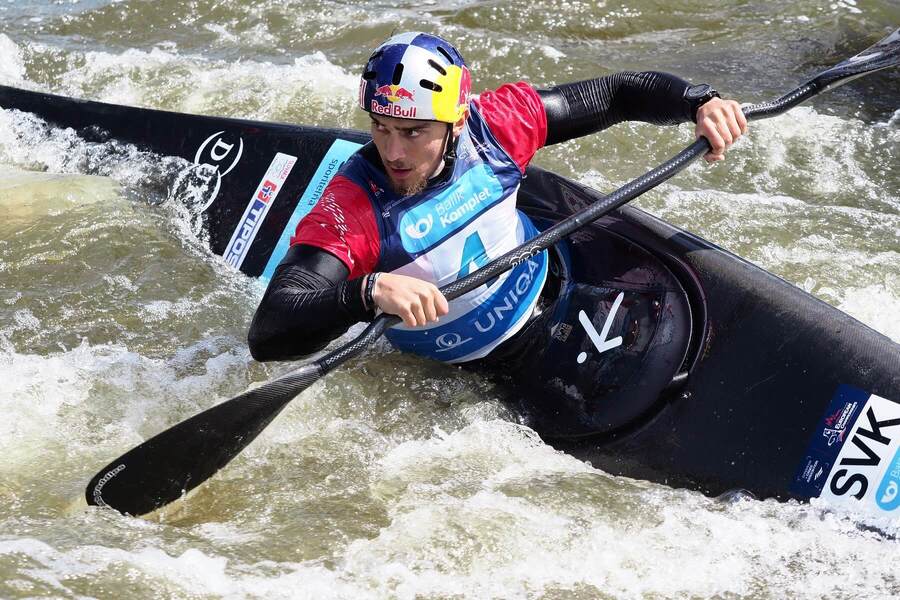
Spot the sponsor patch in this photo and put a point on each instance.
(223, 154)
(336, 156)
(258, 208)
(854, 457)
(426, 224)
(888, 495)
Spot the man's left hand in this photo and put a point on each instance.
(722, 122)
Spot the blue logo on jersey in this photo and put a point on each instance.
(888, 495)
(474, 255)
(428, 223)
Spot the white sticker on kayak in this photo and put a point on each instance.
(866, 473)
(599, 339)
(258, 208)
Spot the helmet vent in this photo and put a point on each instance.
(398, 74)
(445, 54)
(430, 85)
(437, 67)
(369, 75)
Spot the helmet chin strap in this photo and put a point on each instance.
(449, 154)
(449, 146)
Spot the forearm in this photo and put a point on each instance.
(580, 108)
(308, 303)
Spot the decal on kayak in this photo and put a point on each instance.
(216, 152)
(338, 153)
(854, 457)
(599, 339)
(258, 207)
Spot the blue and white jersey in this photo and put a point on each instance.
(447, 231)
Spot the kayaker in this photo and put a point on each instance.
(433, 197)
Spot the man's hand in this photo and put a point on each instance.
(415, 301)
(721, 122)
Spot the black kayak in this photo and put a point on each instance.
(658, 356)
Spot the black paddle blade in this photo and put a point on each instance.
(177, 460)
(884, 54)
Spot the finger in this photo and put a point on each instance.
(741, 118)
(733, 125)
(724, 130)
(408, 318)
(709, 131)
(441, 304)
(429, 308)
(418, 314)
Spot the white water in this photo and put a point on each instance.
(390, 478)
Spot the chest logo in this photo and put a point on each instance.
(420, 228)
(434, 219)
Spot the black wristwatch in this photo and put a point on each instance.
(696, 96)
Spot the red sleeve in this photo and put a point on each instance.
(515, 114)
(343, 223)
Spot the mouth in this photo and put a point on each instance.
(397, 173)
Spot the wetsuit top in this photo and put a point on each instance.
(315, 292)
(452, 227)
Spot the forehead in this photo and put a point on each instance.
(405, 124)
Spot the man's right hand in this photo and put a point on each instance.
(415, 301)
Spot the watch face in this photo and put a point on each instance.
(695, 92)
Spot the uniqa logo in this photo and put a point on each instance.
(420, 228)
(215, 152)
(510, 300)
(449, 341)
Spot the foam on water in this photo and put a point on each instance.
(12, 68)
(105, 397)
(488, 510)
(309, 87)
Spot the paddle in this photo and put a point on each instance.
(177, 460)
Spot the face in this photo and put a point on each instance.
(410, 150)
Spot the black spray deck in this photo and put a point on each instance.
(662, 357)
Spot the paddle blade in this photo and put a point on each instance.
(884, 54)
(182, 457)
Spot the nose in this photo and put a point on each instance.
(394, 148)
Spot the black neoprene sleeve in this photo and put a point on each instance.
(308, 303)
(583, 107)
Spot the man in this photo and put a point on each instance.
(432, 198)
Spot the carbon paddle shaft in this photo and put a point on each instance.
(165, 467)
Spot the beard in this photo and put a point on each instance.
(409, 188)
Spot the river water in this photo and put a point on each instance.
(394, 477)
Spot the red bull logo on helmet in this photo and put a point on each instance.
(394, 93)
(393, 110)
